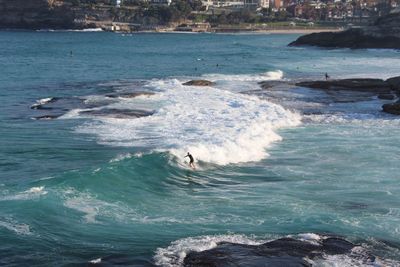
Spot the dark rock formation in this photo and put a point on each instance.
(273, 84)
(386, 96)
(36, 14)
(199, 83)
(393, 108)
(130, 95)
(280, 252)
(118, 113)
(46, 117)
(394, 83)
(384, 33)
(363, 85)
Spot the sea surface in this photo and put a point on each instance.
(91, 174)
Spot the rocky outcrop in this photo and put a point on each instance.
(130, 95)
(280, 252)
(118, 113)
(384, 89)
(384, 33)
(392, 108)
(199, 83)
(394, 83)
(36, 14)
(364, 85)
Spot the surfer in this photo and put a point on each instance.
(191, 160)
(326, 76)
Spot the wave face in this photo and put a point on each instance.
(215, 124)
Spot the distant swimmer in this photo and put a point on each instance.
(326, 76)
(191, 160)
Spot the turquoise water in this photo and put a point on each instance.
(84, 187)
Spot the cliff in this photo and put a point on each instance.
(383, 33)
(36, 14)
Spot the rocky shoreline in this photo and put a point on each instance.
(383, 33)
(286, 251)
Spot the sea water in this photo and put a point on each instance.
(105, 188)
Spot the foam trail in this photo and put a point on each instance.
(18, 228)
(33, 192)
(214, 124)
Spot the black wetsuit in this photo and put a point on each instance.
(190, 158)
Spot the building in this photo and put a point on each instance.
(236, 4)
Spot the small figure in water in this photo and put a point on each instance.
(191, 160)
(326, 76)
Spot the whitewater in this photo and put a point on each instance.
(216, 125)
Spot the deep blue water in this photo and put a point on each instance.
(83, 187)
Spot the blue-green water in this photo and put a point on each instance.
(86, 186)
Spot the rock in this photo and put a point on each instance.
(42, 103)
(130, 95)
(393, 108)
(280, 252)
(199, 83)
(272, 84)
(394, 83)
(118, 113)
(386, 96)
(384, 33)
(363, 85)
(46, 117)
(36, 14)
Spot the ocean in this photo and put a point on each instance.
(95, 126)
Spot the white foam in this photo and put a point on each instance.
(266, 76)
(214, 124)
(93, 207)
(175, 253)
(32, 193)
(125, 156)
(95, 261)
(370, 120)
(18, 228)
(42, 102)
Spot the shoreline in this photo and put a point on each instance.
(213, 31)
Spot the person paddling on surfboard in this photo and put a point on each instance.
(191, 160)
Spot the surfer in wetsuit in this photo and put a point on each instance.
(326, 76)
(191, 160)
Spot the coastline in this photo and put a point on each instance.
(212, 31)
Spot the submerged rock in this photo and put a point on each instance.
(46, 117)
(41, 104)
(386, 96)
(199, 83)
(118, 113)
(280, 252)
(392, 108)
(130, 95)
(273, 84)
